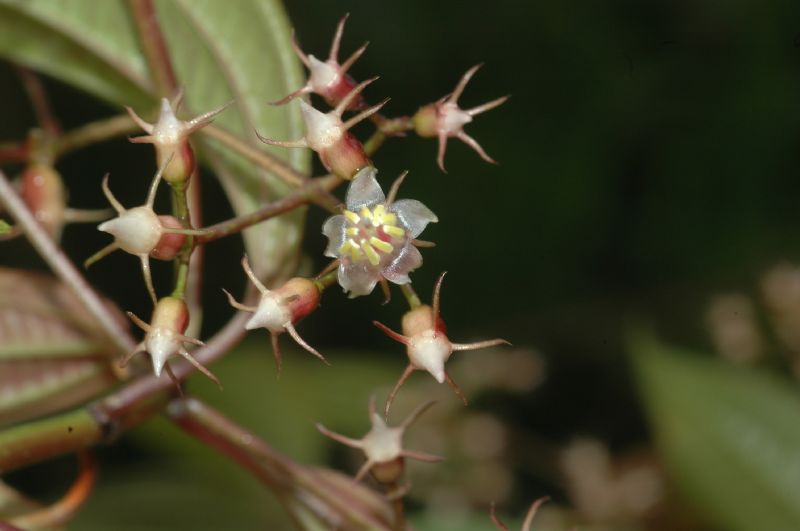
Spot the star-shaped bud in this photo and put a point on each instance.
(526, 525)
(374, 239)
(383, 446)
(326, 133)
(444, 119)
(279, 309)
(139, 231)
(328, 78)
(427, 344)
(164, 338)
(170, 135)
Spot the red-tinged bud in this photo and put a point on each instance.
(170, 136)
(444, 119)
(140, 231)
(164, 337)
(278, 310)
(170, 243)
(383, 446)
(43, 191)
(328, 78)
(427, 344)
(340, 152)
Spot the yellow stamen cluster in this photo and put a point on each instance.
(368, 232)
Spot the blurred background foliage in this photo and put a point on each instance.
(648, 162)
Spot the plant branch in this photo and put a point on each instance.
(262, 159)
(291, 201)
(63, 267)
(94, 132)
(154, 46)
(298, 487)
(38, 97)
(104, 419)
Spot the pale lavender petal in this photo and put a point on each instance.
(364, 190)
(408, 260)
(414, 215)
(334, 229)
(357, 279)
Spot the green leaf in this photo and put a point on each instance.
(220, 51)
(4, 227)
(729, 434)
(52, 356)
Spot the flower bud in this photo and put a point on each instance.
(170, 136)
(278, 310)
(383, 447)
(427, 345)
(170, 243)
(328, 78)
(340, 152)
(444, 119)
(141, 232)
(164, 337)
(43, 191)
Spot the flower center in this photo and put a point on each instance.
(370, 234)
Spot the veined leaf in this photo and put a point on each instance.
(730, 435)
(221, 52)
(52, 356)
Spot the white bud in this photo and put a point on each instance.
(272, 313)
(136, 231)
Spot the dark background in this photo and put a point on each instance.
(648, 160)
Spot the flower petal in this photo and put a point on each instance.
(334, 230)
(357, 279)
(414, 215)
(407, 260)
(364, 190)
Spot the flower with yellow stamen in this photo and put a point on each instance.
(374, 237)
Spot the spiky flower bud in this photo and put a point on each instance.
(374, 239)
(383, 446)
(279, 309)
(141, 232)
(340, 152)
(328, 78)
(170, 136)
(444, 119)
(164, 337)
(427, 344)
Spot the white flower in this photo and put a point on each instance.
(374, 237)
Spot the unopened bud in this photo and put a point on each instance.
(427, 345)
(444, 119)
(383, 446)
(164, 337)
(328, 78)
(340, 152)
(278, 310)
(170, 137)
